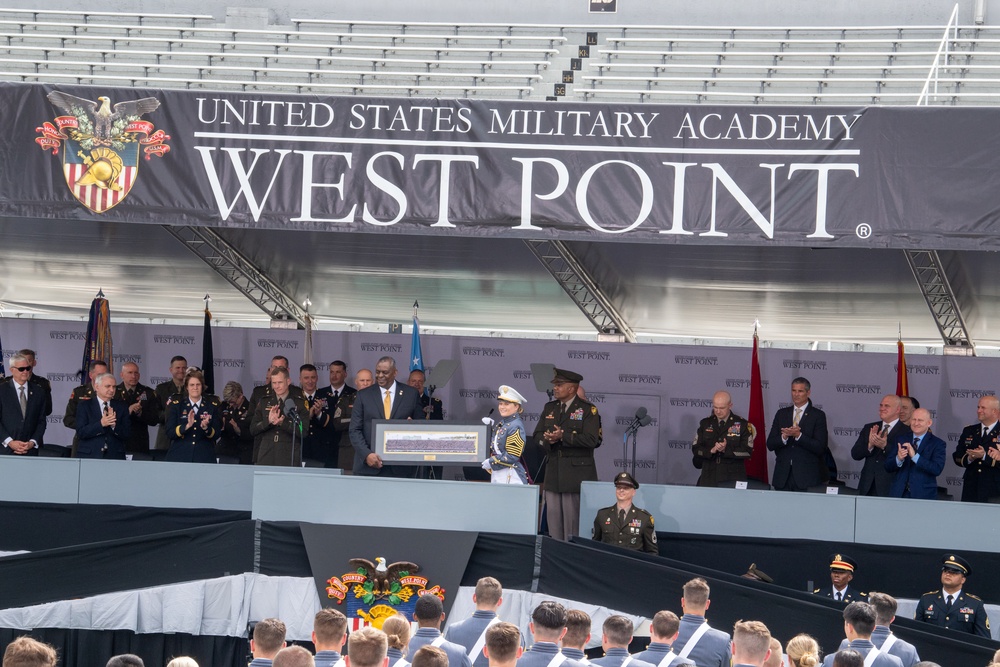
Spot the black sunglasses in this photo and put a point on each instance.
(23, 369)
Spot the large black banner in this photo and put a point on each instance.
(812, 176)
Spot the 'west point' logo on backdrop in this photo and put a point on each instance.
(100, 145)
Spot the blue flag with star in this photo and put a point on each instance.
(416, 356)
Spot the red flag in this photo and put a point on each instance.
(902, 386)
(756, 466)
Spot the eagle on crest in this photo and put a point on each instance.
(382, 576)
(100, 121)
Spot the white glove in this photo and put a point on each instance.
(487, 466)
(488, 421)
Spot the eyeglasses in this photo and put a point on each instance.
(23, 369)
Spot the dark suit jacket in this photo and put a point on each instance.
(875, 480)
(93, 438)
(197, 444)
(29, 427)
(920, 477)
(798, 464)
(368, 406)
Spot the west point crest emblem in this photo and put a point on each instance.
(100, 145)
(376, 591)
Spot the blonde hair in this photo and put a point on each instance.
(182, 661)
(397, 629)
(802, 651)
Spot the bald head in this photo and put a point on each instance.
(722, 405)
(921, 421)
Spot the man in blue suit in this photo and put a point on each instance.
(798, 439)
(916, 464)
(22, 410)
(102, 422)
(386, 399)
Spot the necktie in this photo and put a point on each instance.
(24, 401)
(950, 600)
(986, 431)
(387, 403)
(621, 516)
(798, 415)
(885, 429)
(840, 597)
(104, 407)
(916, 444)
(336, 396)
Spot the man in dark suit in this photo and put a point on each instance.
(370, 403)
(568, 431)
(22, 410)
(40, 380)
(915, 463)
(143, 408)
(978, 452)
(102, 422)
(798, 439)
(872, 446)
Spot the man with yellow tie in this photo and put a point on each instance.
(386, 399)
(798, 439)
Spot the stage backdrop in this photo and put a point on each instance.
(813, 176)
(675, 383)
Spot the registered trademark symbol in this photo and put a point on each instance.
(864, 230)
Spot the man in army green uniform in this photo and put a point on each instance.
(164, 392)
(723, 443)
(568, 432)
(951, 607)
(623, 524)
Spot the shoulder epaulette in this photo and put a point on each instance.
(974, 597)
(817, 590)
(932, 592)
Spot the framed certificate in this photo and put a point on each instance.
(430, 442)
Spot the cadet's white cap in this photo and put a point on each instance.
(510, 394)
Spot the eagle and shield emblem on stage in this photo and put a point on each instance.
(375, 591)
(101, 144)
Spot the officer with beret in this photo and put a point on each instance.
(568, 431)
(842, 569)
(623, 524)
(951, 607)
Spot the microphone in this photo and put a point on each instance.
(289, 409)
(645, 421)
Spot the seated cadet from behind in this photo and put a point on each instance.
(293, 656)
(429, 613)
(663, 633)
(328, 636)
(368, 647)
(842, 569)
(471, 633)
(430, 656)
(503, 645)
(577, 635)
(951, 607)
(885, 613)
(268, 638)
(125, 660)
(776, 659)
(615, 637)
(623, 524)
(27, 652)
(397, 631)
(722, 444)
(751, 644)
(859, 622)
(696, 640)
(548, 626)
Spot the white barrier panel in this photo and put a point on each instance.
(39, 480)
(927, 523)
(395, 503)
